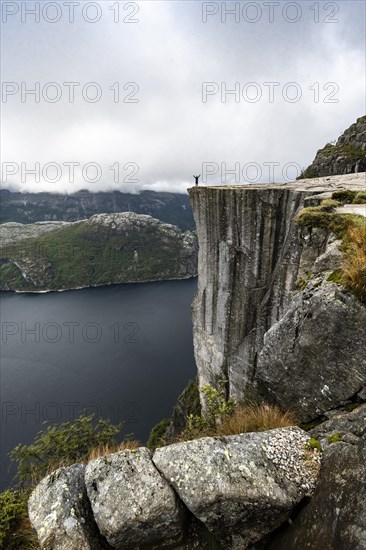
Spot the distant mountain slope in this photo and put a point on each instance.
(347, 156)
(13, 231)
(105, 249)
(19, 207)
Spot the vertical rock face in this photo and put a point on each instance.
(313, 359)
(251, 252)
(248, 264)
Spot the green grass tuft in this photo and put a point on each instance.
(351, 229)
(360, 198)
(335, 438)
(314, 444)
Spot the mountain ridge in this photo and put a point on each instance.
(21, 207)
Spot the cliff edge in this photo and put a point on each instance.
(252, 321)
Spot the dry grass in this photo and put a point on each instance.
(354, 263)
(256, 418)
(104, 450)
(248, 418)
(25, 535)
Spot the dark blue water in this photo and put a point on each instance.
(123, 352)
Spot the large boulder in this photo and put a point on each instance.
(313, 358)
(335, 518)
(132, 503)
(241, 487)
(60, 512)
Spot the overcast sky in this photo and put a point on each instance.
(173, 130)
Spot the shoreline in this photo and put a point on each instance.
(49, 291)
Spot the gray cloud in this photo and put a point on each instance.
(169, 53)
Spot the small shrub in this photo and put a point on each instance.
(61, 445)
(156, 437)
(313, 216)
(337, 223)
(218, 407)
(15, 529)
(360, 198)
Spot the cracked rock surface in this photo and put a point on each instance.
(314, 359)
(131, 502)
(60, 512)
(335, 518)
(241, 487)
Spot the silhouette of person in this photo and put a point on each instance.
(196, 178)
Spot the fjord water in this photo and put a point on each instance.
(123, 352)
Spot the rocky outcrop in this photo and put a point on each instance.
(105, 249)
(251, 253)
(210, 493)
(313, 359)
(335, 517)
(11, 232)
(241, 487)
(348, 427)
(132, 503)
(346, 156)
(172, 208)
(247, 268)
(60, 512)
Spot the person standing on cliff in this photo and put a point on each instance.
(196, 178)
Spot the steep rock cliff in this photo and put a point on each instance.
(251, 252)
(346, 156)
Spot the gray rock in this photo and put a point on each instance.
(335, 518)
(241, 487)
(60, 512)
(346, 156)
(248, 258)
(330, 260)
(314, 359)
(344, 423)
(313, 243)
(132, 503)
(251, 253)
(12, 231)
